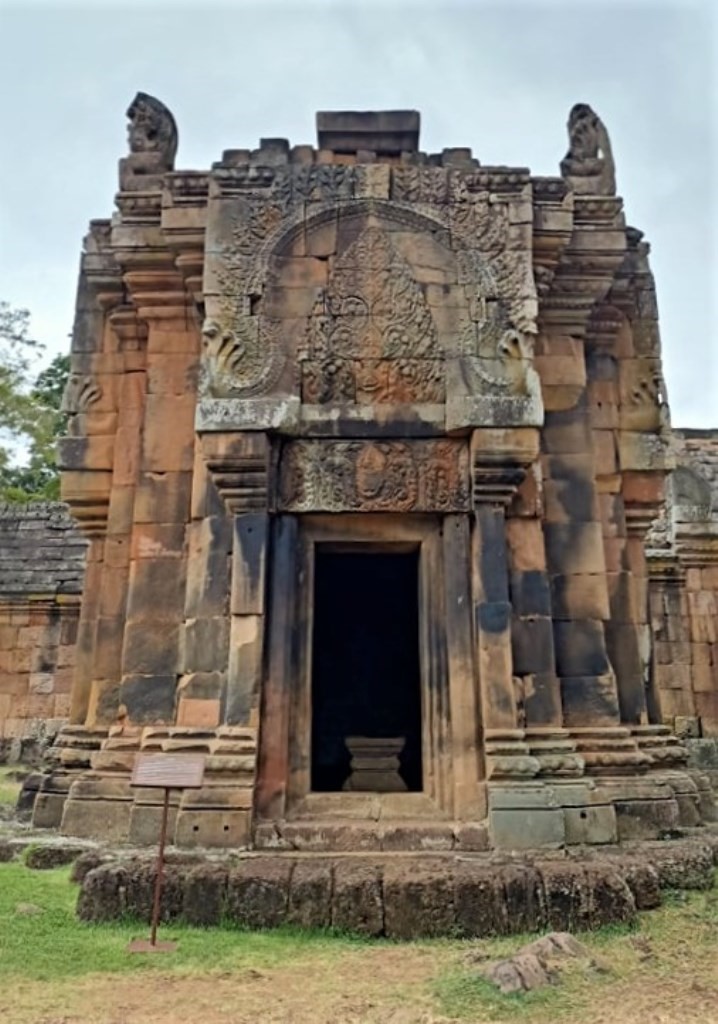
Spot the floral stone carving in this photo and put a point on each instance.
(371, 337)
(374, 476)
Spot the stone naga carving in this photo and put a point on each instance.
(152, 137)
(242, 360)
(81, 391)
(588, 166)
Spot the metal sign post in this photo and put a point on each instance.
(164, 771)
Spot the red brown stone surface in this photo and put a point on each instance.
(683, 570)
(304, 352)
(41, 569)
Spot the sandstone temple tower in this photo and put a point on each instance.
(367, 442)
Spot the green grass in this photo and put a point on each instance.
(65, 947)
(9, 788)
(57, 950)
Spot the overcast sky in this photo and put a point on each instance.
(498, 77)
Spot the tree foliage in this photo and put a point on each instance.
(30, 417)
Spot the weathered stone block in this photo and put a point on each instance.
(591, 825)
(530, 593)
(579, 596)
(224, 828)
(258, 893)
(527, 828)
(478, 899)
(589, 699)
(357, 902)
(580, 647)
(149, 698)
(310, 894)
(532, 645)
(156, 590)
(150, 647)
(418, 900)
(646, 819)
(574, 548)
(204, 895)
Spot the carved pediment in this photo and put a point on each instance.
(371, 337)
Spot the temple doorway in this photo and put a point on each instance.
(366, 690)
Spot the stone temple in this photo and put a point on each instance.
(367, 443)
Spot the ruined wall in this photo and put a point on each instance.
(41, 570)
(683, 562)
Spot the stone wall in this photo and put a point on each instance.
(683, 564)
(41, 571)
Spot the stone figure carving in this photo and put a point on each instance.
(152, 129)
(374, 476)
(152, 137)
(588, 165)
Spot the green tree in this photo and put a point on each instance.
(30, 417)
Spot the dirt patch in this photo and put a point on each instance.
(377, 985)
(369, 986)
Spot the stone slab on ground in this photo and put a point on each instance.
(536, 964)
(403, 896)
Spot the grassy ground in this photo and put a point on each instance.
(9, 787)
(55, 970)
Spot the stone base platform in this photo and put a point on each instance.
(402, 895)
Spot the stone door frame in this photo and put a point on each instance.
(452, 769)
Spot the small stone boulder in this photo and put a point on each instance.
(534, 965)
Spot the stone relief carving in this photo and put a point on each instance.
(420, 184)
(371, 337)
(644, 396)
(374, 476)
(504, 368)
(243, 360)
(588, 165)
(152, 138)
(81, 392)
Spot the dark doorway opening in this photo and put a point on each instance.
(365, 672)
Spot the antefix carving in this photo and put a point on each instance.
(152, 138)
(588, 165)
(374, 476)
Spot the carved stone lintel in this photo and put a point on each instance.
(374, 476)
